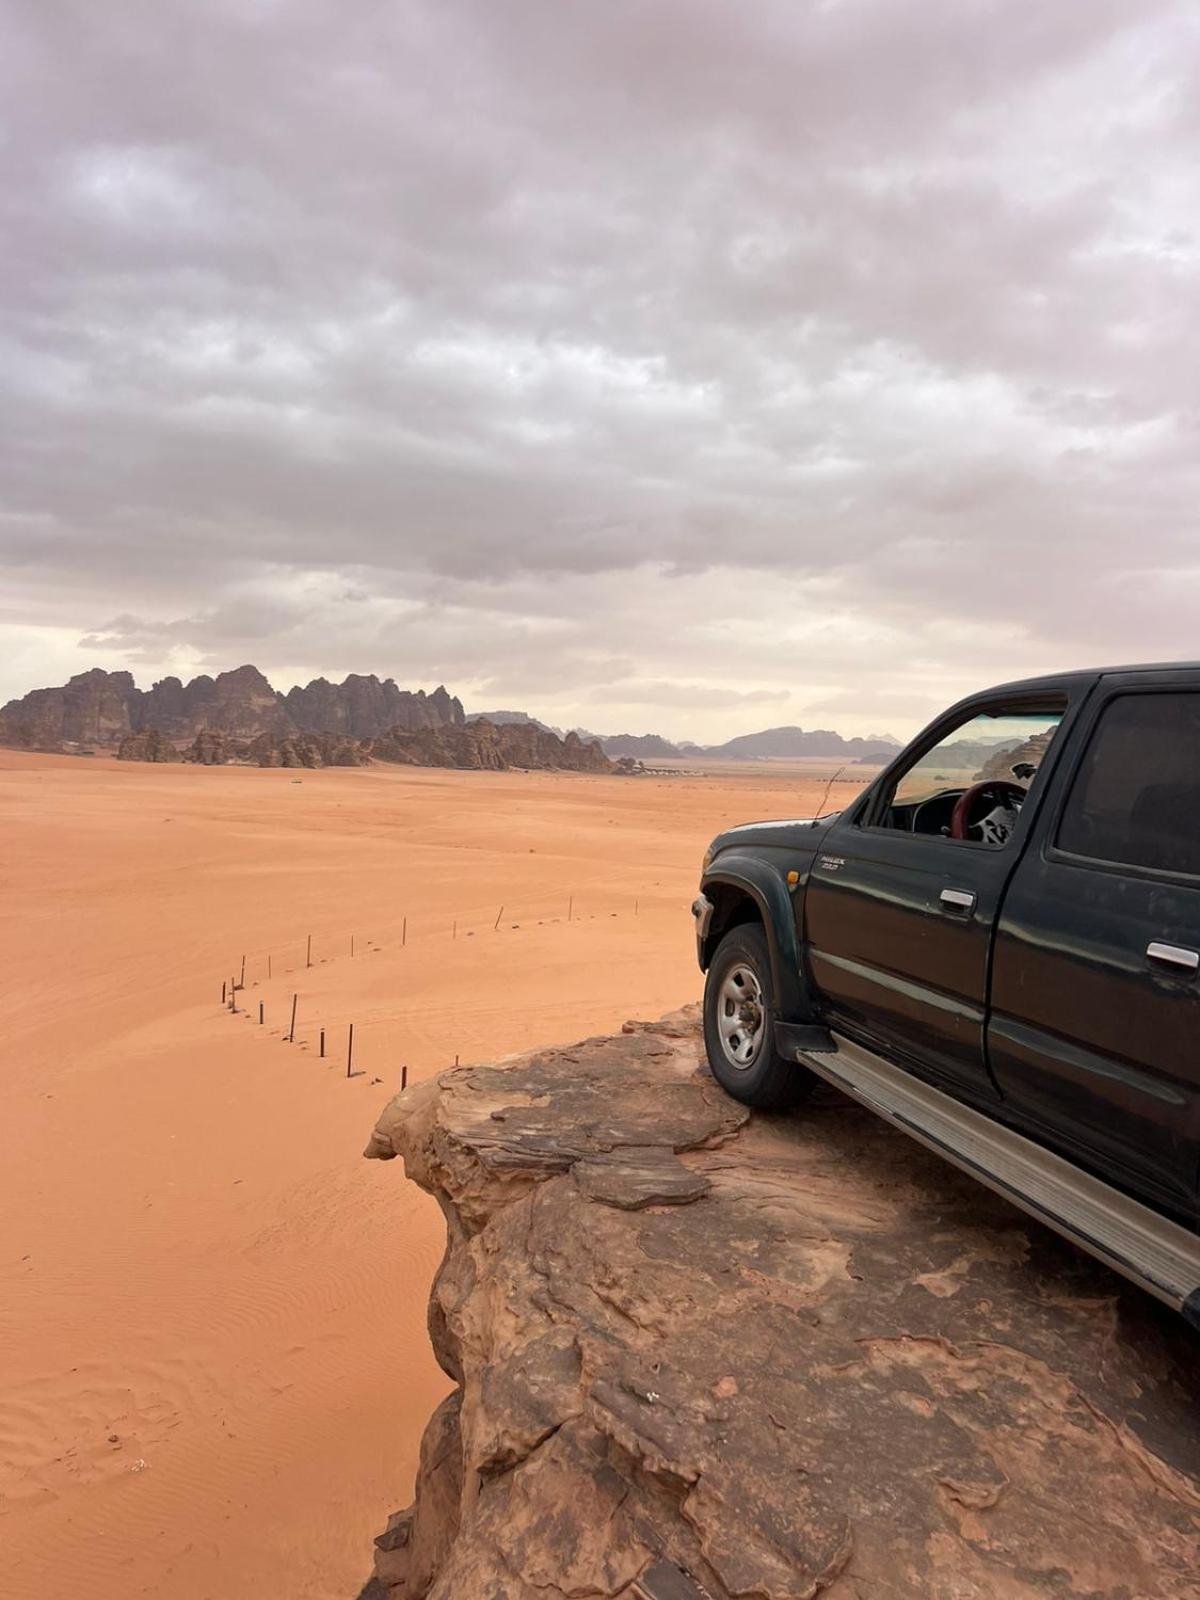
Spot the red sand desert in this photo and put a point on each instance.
(213, 1342)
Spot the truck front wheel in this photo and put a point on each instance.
(739, 1024)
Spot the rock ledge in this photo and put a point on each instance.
(703, 1354)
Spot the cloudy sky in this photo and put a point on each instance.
(671, 365)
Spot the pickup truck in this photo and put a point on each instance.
(996, 946)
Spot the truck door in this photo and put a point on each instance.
(1094, 1034)
(898, 914)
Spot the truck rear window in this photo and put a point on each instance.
(1136, 797)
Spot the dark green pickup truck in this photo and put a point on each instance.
(997, 947)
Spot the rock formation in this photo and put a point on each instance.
(1001, 762)
(703, 1354)
(148, 746)
(307, 750)
(366, 708)
(481, 745)
(99, 709)
(214, 750)
(475, 745)
(92, 708)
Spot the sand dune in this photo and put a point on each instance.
(212, 1388)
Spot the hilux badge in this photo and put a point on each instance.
(833, 862)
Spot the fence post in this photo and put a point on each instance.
(499, 914)
(308, 952)
(403, 1079)
(404, 934)
(350, 1051)
(322, 1053)
(260, 1013)
(223, 995)
(242, 979)
(570, 907)
(292, 1028)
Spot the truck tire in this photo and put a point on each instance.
(739, 1024)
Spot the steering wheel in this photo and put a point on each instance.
(1001, 789)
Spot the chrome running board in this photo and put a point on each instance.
(1154, 1252)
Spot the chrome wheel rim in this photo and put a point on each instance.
(741, 1017)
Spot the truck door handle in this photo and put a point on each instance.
(1175, 955)
(957, 899)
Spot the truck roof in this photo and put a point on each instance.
(1052, 680)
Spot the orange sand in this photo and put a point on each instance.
(212, 1311)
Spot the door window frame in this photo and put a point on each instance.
(878, 797)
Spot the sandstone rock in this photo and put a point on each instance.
(481, 745)
(1001, 762)
(366, 708)
(102, 708)
(93, 707)
(704, 1354)
(210, 749)
(149, 745)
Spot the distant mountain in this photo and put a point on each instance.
(99, 709)
(500, 719)
(638, 746)
(791, 744)
(772, 744)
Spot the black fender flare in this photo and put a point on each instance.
(769, 892)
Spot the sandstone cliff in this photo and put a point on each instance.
(91, 708)
(99, 709)
(366, 708)
(703, 1354)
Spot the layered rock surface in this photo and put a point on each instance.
(700, 1353)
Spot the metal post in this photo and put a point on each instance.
(404, 934)
(350, 1052)
(260, 1013)
(292, 1029)
(403, 1079)
(308, 953)
(322, 1044)
(268, 966)
(242, 979)
(223, 995)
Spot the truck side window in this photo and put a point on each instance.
(972, 783)
(1135, 800)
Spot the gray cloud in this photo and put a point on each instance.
(661, 358)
